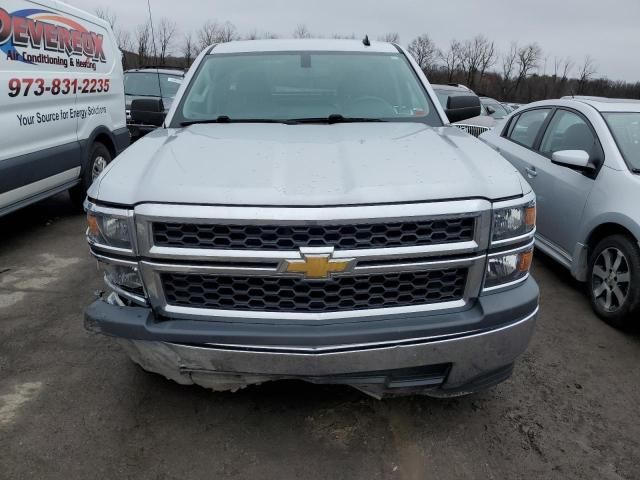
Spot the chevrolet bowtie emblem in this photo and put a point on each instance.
(316, 266)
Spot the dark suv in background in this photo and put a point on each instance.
(149, 82)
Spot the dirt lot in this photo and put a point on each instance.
(73, 406)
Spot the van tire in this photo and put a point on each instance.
(99, 158)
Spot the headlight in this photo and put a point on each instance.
(108, 230)
(508, 267)
(124, 278)
(514, 221)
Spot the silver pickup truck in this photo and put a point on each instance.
(308, 212)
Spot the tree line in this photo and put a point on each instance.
(522, 73)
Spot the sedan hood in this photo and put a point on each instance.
(306, 165)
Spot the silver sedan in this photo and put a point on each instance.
(581, 155)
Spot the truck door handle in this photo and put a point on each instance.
(531, 172)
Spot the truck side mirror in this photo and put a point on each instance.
(148, 111)
(462, 107)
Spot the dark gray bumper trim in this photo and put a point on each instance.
(488, 313)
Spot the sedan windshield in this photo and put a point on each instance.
(625, 127)
(305, 87)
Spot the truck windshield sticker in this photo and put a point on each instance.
(34, 36)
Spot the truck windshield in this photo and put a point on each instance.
(625, 127)
(147, 84)
(305, 86)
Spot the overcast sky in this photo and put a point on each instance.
(608, 30)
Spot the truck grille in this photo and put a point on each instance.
(474, 130)
(291, 237)
(288, 294)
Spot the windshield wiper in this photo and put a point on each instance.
(635, 170)
(227, 119)
(334, 118)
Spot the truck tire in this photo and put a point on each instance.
(614, 281)
(99, 158)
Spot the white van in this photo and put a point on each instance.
(62, 107)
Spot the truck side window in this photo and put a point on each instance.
(527, 126)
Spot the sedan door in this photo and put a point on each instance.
(564, 191)
(518, 143)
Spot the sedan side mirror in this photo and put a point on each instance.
(462, 107)
(578, 159)
(148, 111)
(490, 110)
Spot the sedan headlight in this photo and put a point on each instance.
(108, 230)
(513, 222)
(506, 268)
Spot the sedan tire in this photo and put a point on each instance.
(614, 281)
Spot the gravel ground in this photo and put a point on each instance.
(73, 406)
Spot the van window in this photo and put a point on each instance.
(526, 128)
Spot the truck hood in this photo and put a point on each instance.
(306, 165)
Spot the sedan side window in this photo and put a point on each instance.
(527, 126)
(569, 131)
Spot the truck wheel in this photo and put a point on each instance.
(614, 281)
(99, 158)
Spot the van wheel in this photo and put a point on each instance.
(614, 281)
(99, 158)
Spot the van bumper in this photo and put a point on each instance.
(449, 365)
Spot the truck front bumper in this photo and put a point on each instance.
(221, 358)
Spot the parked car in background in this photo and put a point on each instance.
(514, 106)
(475, 125)
(61, 113)
(308, 212)
(494, 108)
(147, 82)
(582, 158)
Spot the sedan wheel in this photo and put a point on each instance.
(614, 289)
(610, 279)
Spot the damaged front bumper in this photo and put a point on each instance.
(224, 356)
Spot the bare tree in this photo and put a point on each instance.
(488, 57)
(391, 37)
(188, 49)
(452, 58)
(208, 34)
(107, 15)
(227, 32)
(561, 67)
(142, 43)
(587, 70)
(252, 35)
(350, 36)
(123, 39)
(301, 31)
(166, 32)
(508, 66)
(477, 55)
(528, 60)
(424, 51)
